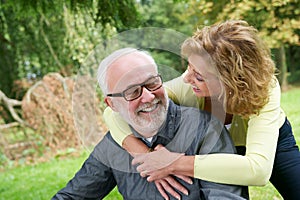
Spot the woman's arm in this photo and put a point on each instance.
(256, 166)
(252, 169)
(135, 146)
(117, 126)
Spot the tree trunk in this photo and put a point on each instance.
(283, 68)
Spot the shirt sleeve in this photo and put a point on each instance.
(178, 91)
(93, 181)
(256, 166)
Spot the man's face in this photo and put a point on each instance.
(146, 113)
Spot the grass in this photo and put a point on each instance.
(42, 181)
(38, 181)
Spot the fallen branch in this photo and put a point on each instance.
(10, 125)
(10, 104)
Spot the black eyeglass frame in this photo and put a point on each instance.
(141, 85)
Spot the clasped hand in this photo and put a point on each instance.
(159, 159)
(157, 166)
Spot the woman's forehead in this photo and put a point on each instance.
(201, 65)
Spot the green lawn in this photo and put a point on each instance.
(42, 181)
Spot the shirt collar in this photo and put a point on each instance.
(168, 128)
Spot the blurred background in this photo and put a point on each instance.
(44, 43)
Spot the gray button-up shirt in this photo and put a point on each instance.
(185, 130)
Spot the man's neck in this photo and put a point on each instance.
(144, 134)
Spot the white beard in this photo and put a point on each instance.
(148, 124)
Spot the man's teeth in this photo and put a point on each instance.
(149, 109)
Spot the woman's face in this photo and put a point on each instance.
(203, 82)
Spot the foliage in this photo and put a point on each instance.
(293, 57)
(119, 14)
(277, 21)
(294, 77)
(38, 37)
(165, 14)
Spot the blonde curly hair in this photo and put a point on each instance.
(241, 61)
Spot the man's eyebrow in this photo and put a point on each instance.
(138, 84)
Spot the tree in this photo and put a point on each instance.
(277, 21)
(165, 14)
(38, 37)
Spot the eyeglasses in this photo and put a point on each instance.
(135, 91)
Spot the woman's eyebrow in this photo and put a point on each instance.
(198, 73)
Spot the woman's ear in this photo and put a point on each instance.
(109, 103)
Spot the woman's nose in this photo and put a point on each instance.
(187, 77)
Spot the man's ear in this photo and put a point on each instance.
(109, 103)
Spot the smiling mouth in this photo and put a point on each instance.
(147, 108)
(196, 89)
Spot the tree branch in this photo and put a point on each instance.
(10, 125)
(48, 42)
(9, 104)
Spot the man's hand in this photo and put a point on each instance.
(168, 184)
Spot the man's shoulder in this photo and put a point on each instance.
(108, 152)
(107, 146)
(107, 141)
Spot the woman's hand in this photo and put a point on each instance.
(168, 184)
(160, 158)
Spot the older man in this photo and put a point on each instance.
(133, 88)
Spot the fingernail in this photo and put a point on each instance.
(186, 193)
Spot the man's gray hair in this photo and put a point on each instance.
(106, 63)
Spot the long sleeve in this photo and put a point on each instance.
(177, 90)
(117, 126)
(256, 166)
(93, 181)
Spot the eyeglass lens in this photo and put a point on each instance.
(136, 91)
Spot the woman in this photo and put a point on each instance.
(231, 68)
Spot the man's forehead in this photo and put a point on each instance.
(129, 70)
(135, 76)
